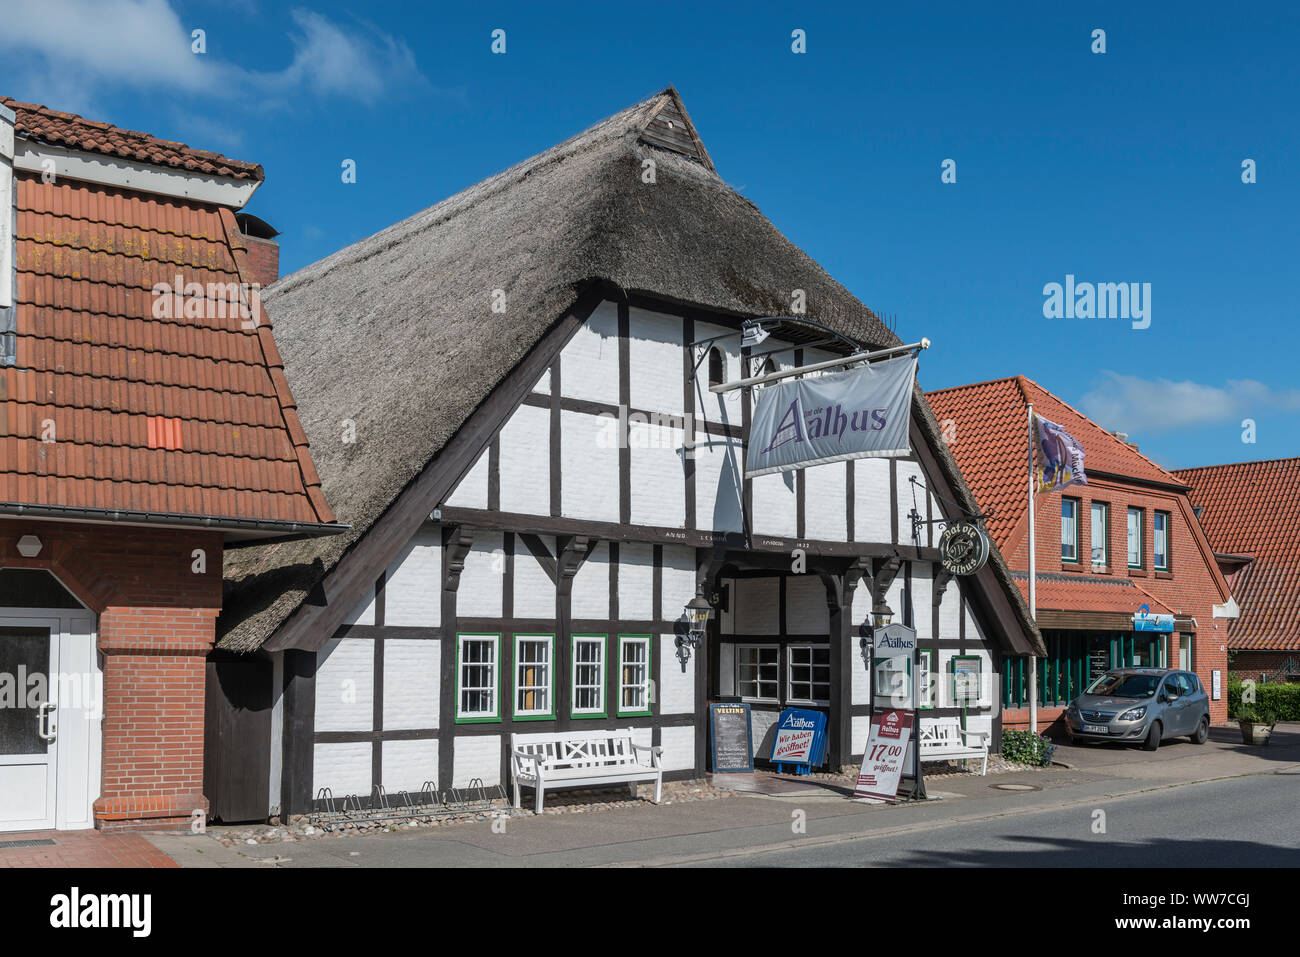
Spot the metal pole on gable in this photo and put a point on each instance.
(1033, 567)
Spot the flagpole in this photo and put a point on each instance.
(1033, 567)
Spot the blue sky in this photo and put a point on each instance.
(1117, 167)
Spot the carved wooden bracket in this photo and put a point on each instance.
(885, 575)
(460, 539)
(572, 551)
(941, 579)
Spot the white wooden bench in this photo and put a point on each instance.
(577, 758)
(944, 739)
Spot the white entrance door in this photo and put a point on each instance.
(29, 659)
(51, 705)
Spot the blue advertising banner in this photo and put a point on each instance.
(800, 739)
(831, 418)
(1143, 620)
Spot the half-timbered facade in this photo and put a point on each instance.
(515, 417)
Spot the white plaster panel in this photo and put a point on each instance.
(676, 688)
(589, 466)
(534, 590)
(658, 480)
(544, 383)
(411, 683)
(727, 407)
(757, 606)
(726, 668)
(636, 581)
(776, 504)
(860, 734)
(472, 492)
(973, 630)
(909, 495)
(950, 611)
(589, 362)
(860, 681)
(655, 358)
(871, 509)
(345, 685)
(763, 727)
(483, 580)
(678, 581)
(591, 585)
(806, 612)
(408, 764)
(922, 606)
(679, 748)
(364, 612)
(525, 462)
(719, 487)
(413, 586)
(476, 756)
(344, 768)
(825, 496)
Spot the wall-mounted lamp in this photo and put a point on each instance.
(698, 613)
(881, 615)
(753, 333)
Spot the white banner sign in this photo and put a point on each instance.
(852, 415)
(882, 762)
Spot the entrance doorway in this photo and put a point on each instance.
(51, 703)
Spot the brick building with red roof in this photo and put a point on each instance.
(1251, 514)
(146, 425)
(1128, 538)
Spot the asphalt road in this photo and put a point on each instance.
(1244, 822)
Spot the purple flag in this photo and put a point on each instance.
(1060, 457)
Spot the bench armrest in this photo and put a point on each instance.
(981, 735)
(539, 760)
(655, 752)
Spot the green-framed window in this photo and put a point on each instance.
(634, 671)
(928, 685)
(588, 676)
(478, 677)
(534, 677)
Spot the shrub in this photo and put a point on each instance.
(1025, 747)
(1282, 701)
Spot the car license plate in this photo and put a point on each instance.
(1096, 729)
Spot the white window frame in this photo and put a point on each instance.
(1073, 503)
(646, 704)
(1128, 535)
(494, 640)
(548, 689)
(758, 680)
(599, 710)
(1156, 534)
(1105, 533)
(810, 647)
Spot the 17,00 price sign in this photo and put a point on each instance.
(882, 762)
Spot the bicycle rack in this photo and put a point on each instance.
(425, 805)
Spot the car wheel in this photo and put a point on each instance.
(1153, 737)
(1202, 731)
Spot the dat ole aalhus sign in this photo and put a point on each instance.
(832, 418)
(963, 548)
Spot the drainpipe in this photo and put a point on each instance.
(7, 215)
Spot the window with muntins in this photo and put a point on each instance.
(634, 674)
(533, 685)
(589, 675)
(476, 697)
(758, 672)
(808, 674)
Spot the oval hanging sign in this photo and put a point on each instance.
(963, 548)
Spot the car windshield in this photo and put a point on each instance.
(1125, 686)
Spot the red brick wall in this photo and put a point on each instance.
(157, 620)
(1189, 587)
(264, 257)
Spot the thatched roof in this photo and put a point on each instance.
(396, 333)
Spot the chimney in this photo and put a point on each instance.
(7, 216)
(263, 250)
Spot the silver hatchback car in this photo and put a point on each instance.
(1140, 705)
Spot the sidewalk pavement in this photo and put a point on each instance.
(749, 823)
(87, 848)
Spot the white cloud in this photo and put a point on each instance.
(1132, 404)
(143, 44)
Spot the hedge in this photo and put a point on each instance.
(1281, 700)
